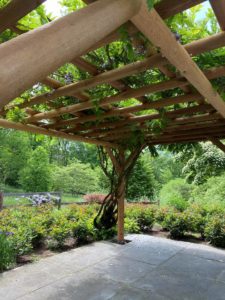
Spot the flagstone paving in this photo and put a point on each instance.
(146, 268)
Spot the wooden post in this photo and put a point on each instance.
(121, 200)
(123, 167)
(43, 50)
(1, 201)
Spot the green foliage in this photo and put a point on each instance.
(131, 226)
(150, 4)
(4, 3)
(76, 178)
(176, 193)
(14, 151)
(202, 163)
(141, 182)
(7, 254)
(36, 176)
(177, 223)
(61, 228)
(140, 218)
(212, 192)
(215, 231)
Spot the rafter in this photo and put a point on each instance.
(131, 93)
(219, 10)
(146, 22)
(196, 116)
(39, 130)
(15, 10)
(218, 143)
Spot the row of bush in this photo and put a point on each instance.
(27, 228)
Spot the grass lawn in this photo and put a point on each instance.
(66, 198)
(14, 201)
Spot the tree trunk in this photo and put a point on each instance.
(121, 204)
(1, 201)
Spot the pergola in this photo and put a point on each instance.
(33, 56)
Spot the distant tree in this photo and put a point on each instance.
(203, 162)
(36, 176)
(14, 152)
(76, 178)
(141, 183)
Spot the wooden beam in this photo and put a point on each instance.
(198, 119)
(218, 143)
(121, 199)
(15, 10)
(58, 134)
(146, 21)
(219, 10)
(175, 139)
(208, 124)
(166, 10)
(53, 46)
(206, 44)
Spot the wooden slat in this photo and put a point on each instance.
(105, 77)
(165, 9)
(194, 48)
(168, 131)
(136, 108)
(206, 44)
(203, 108)
(219, 10)
(146, 21)
(170, 8)
(218, 143)
(15, 10)
(38, 130)
(189, 139)
(132, 93)
(198, 119)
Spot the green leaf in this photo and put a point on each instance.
(150, 4)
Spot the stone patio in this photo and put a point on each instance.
(147, 268)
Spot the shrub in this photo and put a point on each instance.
(177, 224)
(84, 231)
(7, 254)
(197, 216)
(131, 226)
(94, 198)
(144, 216)
(161, 215)
(176, 193)
(215, 231)
(211, 193)
(61, 228)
